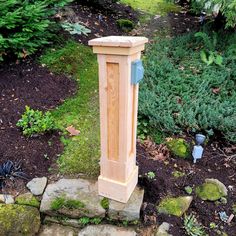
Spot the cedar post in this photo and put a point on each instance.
(118, 114)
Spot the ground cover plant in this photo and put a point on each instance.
(26, 25)
(81, 154)
(181, 92)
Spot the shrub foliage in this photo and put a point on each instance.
(182, 93)
(35, 122)
(227, 8)
(25, 25)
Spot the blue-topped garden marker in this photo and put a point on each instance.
(120, 70)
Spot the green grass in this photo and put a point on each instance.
(152, 7)
(60, 202)
(81, 153)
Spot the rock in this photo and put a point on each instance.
(57, 230)
(211, 190)
(7, 199)
(27, 199)
(129, 211)
(73, 198)
(62, 221)
(106, 230)
(175, 206)
(19, 220)
(163, 230)
(37, 185)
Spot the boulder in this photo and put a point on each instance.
(73, 198)
(27, 199)
(19, 220)
(211, 190)
(106, 230)
(176, 206)
(37, 185)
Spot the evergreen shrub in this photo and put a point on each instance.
(182, 93)
(26, 25)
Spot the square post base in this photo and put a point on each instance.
(117, 190)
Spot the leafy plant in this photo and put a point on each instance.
(75, 28)
(192, 227)
(26, 25)
(84, 220)
(10, 170)
(35, 122)
(226, 8)
(209, 56)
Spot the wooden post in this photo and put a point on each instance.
(118, 114)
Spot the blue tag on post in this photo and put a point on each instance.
(137, 72)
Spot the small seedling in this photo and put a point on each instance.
(188, 190)
(151, 175)
(46, 157)
(213, 225)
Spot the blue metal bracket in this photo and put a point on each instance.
(137, 72)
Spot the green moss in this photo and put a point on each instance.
(125, 25)
(209, 191)
(105, 203)
(174, 206)
(61, 202)
(178, 174)
(18, 220)
(81, 153)
(179, 147)
(28, 199)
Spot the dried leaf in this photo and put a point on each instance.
(73, 132)
(216, 90)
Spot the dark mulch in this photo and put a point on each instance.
(213, 165)
(101, 22)
(30, 84)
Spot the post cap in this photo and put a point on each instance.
(117, 43)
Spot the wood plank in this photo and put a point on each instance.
(113, 76)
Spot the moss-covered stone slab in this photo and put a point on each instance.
(27, 199)
(211, 190)
(17, 220)
(176, 206)
(73, 198)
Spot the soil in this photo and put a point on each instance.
(30, 84)
(213, 165)
(101, 22)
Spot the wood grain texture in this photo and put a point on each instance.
(113, 76)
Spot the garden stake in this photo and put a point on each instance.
(198, 149)
(120, 70)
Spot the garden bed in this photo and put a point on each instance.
(213, 165)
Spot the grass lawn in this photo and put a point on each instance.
(81, 153)
(152, 7)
